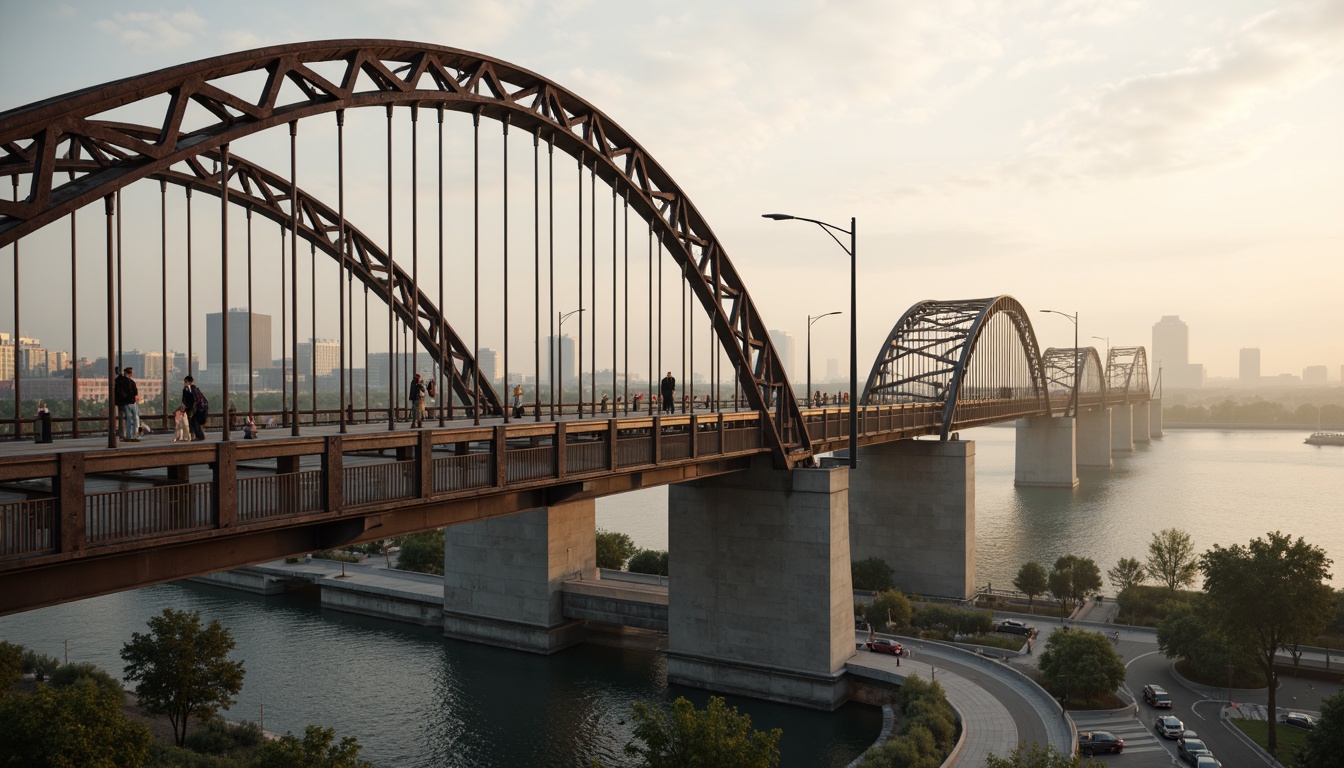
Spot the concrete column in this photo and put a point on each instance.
(1122, 428)
(1142, 424)
(1155, 417)
(502, 577)
(760, 601)
(912, 503)
(1046, 453)
(1094, 437)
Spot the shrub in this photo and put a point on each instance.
(220, 737)
(69, 674)
(652, 561)
(1149, 605)
(959, 621)
(11, 664)
(422, 552)
(888, 606)
(613, 549)
(40, 665)
(928, 729)
(872, 574)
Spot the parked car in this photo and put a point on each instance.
(1014, 627)
(1298, 720)
(1093, 742)
(1156, 696)
(1189, 750)
(1168, 726)
(1207, 761)
(1187, 734)
(886, 646)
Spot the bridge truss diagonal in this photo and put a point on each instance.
(1060, 374)
(1127, 375)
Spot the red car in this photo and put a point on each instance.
(886, 646)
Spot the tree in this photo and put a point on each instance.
(1325, 742)
(1171, 559)
(888, 606)
(682, 736)
(11, 665)
(1268, 594)
(1081, 662)
(1031, 581)
(872, 574)
(1036, 756)
(183, 668)
(1186, 633)
(82, 724)
(613, 549)
(1073, 579)
(315, 750)
(1126, 573)
(422, 552)
(649, 561)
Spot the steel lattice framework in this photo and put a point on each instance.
(1059, 370)
(977, 357)
(35, 138)
(1127, 375)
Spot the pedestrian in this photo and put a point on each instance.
(250, 428)
(350, 410)
(605, 401)
(198, 408)
(182, 423)
(127, 399)
(669, 386)
(517, 401)
(417, 397)
(233, 416)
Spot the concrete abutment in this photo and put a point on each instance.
(1046, 454)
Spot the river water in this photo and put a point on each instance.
(415, 698)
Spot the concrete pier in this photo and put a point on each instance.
(912, 503)
(761, 602)
(1142, 422)
(1122, 428)
(1094, 437)
(1155, 418)
(503, 577)
(1046, 455)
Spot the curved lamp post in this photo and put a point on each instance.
(852, 250)
(1076, 368)
(810, 320)
(560, 361)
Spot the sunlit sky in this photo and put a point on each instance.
(1121, 158)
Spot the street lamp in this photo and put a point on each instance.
(853, 251)
(810, 320)
(1077, 369)
(1106, 339)
(560, 361)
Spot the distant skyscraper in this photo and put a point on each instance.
(566, 358)
(1314, 374)
(328, 357)
(1250, 366)
(491, 370)
(1171, 353)
(239, 346)
(832, 369)
(783, 341)
(6, 357)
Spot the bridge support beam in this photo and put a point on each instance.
(761, 601)
(1094, 437)
(1155, 418)
(1142, 423)
(502, 577)
(912, 504)
(1046, 454)
(1122, 428)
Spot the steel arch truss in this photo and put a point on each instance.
(381, 73)
(1127, 375)
(977, 357)
(1059, 371)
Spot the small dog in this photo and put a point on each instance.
(183, 426)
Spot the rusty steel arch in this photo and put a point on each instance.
(1059, 373)
(977, 358)
(1127, 375)
(387, 74)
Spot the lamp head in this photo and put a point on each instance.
(776, 216)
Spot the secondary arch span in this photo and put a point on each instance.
(1127, 374)
(1059, 365)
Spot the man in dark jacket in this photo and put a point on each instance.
(198, 408)
(669, 391)
(127, 398)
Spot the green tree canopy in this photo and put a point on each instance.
(1271, 593)
(872, 574)
(182, 668)
(613, 549)
(681, 736)
(1080, 662)
(82, 724)
(1128, 572)
(11, 665)
(928, 729)
(889, 604)
(652, 561)
(1171, 559)
(1325, 742)
(1031, 581)
(1036, 756)
(422, 552)
(1187, 633)
(316, 750)
(1073, 579)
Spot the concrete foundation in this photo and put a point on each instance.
(1142, 423)
(1046, 453)
(1155, 418)
(502, 577)
(1122, 428)
(258, 581)
(761, 602)
(912, 503)
(1094, 437)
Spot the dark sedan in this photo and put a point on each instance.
(1190, 749)
(886, 646)
(1095, 742)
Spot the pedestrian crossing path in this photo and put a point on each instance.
(1139, 736)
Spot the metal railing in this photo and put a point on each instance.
(376, 483)
(530, 463)
(634, 451)
(28, 527)
(270, 496)
(113, 516)
(587, 455)
(459, 473)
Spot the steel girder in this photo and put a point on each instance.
(381, 73)
(931, 351)
(1059, 372)
(1127, 374)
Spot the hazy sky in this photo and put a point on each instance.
(1122, 158)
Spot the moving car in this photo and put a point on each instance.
(1156, 696)
(1298, 720)
(1169, 726)
(1093, 742)
(886, 646)
(1189, 750)
(1014, 627)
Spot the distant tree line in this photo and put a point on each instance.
(1256, 412)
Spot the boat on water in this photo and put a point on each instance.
(1326, 438)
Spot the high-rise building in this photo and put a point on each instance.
(318, 357)
(1314, 374)
(259, 343)
(1250, 366)
(1171, 353)
(832, 369)
(147, 365)
(6, 357)
(784, 347)
(566, 354)
(491, 368)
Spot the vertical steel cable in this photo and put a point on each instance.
(74, 317)
(507, 399)
(121, 305)
(592, 292)
(536, 273)
(445, 392)
(476, 266)
(414, 348)
(109, 208)
(341, 285)
(391, 287)
(312, 339)
(284, 346)
(578, 356)
(552, 361)
(294, 273)
(224, 403)
(251, 334)
(163, 299)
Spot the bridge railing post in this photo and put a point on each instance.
(70, 501)
(561, 450)
(695, 435)
(333, 474)
(611, 444)
(501, 457)
(424, 455)
(657, 439)
(224, 492)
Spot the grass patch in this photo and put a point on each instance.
(1245, 678)
(1290, 739)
